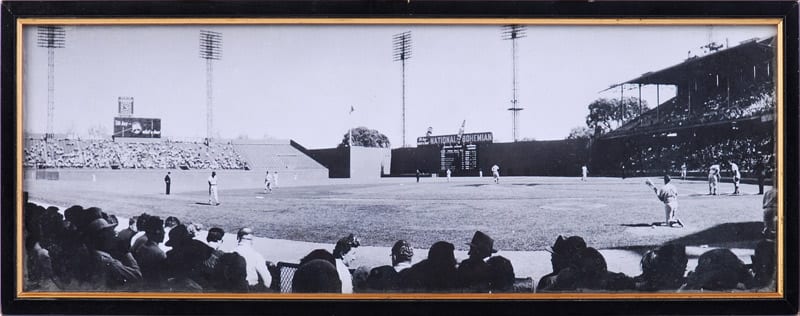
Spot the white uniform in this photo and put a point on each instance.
(713, 179)
(584, 173)
(683, 171)
(496, 173)
(448, 175)
(669, 195)
(268, 182)
(736, 177)
(212, 190)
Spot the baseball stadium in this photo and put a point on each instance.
(538, 225)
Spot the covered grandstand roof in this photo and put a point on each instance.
(748, 52)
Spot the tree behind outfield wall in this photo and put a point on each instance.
(365, 137)
(580, 132)
(605, 113)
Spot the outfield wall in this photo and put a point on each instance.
(152, 180)
(534, 158)
(337, 160)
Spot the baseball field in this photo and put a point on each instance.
(522, 214)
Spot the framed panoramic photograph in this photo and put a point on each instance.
(401, 157)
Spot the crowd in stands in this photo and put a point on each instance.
(80, 250)
(754, 100)
(748, 152)
(67, 153)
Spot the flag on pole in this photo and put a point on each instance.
(352, 109)
(350, 131)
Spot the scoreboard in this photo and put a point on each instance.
(459, 153)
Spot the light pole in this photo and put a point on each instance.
(402, 51)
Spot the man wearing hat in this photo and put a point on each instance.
(474, 273)
(669, 195)
(107, 270)
(258, 277)
(563, 253)
(387, 277)
(185, 260)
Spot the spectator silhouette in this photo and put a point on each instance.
(474, 273)
(316, 276)
(387, 278)
(763, 266)
(663, 269)
(437, 273)
(718, 270)
(185, 262)
(230, 274)
(501, 275)
(150, 257)
(106, 270)
(562, 254)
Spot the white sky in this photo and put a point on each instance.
(298, 82)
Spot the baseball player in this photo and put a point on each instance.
(496, 173)
(212, 189)
(683, 171)
(737, 176)
(584, 172)
(448, 174)
(668, 194)
(267, 182)
(713, 179)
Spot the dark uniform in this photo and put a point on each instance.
(167, 181)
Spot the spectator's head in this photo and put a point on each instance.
(318, 254)
(401, 252)
(481, 245)
(171, 222)
(132, 223)
(215, 235)
(178, 236)
(230, 273)
(590, 264)
(501, 274)
(153, 227)
(441, 253)
(360, 276)
(245, 235)
(316, 276)
(665, 266)
(345, 249)
(213, 173)
(564, 251)
(718, 270)
(194, 228)
(99, 234)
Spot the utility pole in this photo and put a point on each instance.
(402, 51)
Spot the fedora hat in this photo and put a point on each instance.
(482, 241)
(98, 225)
(567, 246)
(178, 235)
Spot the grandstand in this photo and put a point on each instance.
(723, 111)
(138, 154)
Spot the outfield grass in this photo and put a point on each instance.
(520, 213)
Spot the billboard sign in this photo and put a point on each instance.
(470, 138)
(137, 127)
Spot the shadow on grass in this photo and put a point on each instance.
(526, 184)
(203, 203)
(729, 235)
(475, 185)
(645, 224)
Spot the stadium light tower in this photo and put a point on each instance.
(402, 51)
(51, 37)
(210, 50)
(513, 32)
